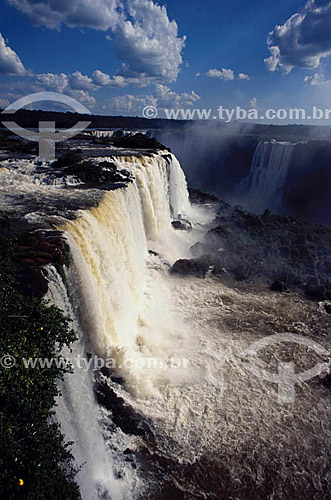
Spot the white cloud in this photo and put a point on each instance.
(129, 104)
(315, 80)
(96, 14)
(303, 40)
(103, 80)
(51, 81)
(82, 96)
(10, 63)
(76, 85)
(167, 97)
(243, 76)
(225, 74)
(148, 43)
(78, 81)
(144, 38)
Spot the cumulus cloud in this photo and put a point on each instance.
(129, 104)
(148, 43)
(167, 97)
(303, 40)
(51, 81)
(225, 74)
(96, 14)
(163, 97)
(78, 81)
(76, 85)
(10, 63)
(103, 80)
(82, 96)
(145, 39)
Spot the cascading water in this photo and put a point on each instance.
(110, 245)
(218, 432)
(116, 300)
(263, 187)
(78, 412)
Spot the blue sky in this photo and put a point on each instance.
(118, 57)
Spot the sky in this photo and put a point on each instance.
(121, 56)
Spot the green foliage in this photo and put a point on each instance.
(137, 141)
(32, 446)
(15, 145)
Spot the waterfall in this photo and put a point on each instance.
(109, 245)
(78, 412)
(116, 300)
(263, 187)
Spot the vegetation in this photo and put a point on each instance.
(15, 145)
(137, 141)
(31, 119)
(35, 462)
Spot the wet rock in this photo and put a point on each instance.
(271, 248)
(34, 251)
(202, 197)
(326, 381)
(327, 308)
(193, 267)
(32, 282)
(242, 273)
(278, 286)
(123, 415)
(182, 225)
(315, 290)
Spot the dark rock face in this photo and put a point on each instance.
(123, 415)
(308, 190)
(326, 381)
(34, 250)
(327, 308)
(278, 286)
(287, 251)
(182, 225)
(201, 197)
(194, 267)
(73, 163)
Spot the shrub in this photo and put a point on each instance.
(33, 451)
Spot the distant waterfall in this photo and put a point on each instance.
(263, 187)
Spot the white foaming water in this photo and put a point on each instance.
(121, 301)
(116, 294)
(119, 292)
(263, 187)
(126, 306)
(78, 412)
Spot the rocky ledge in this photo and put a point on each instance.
(32, 252)
(285, 252)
